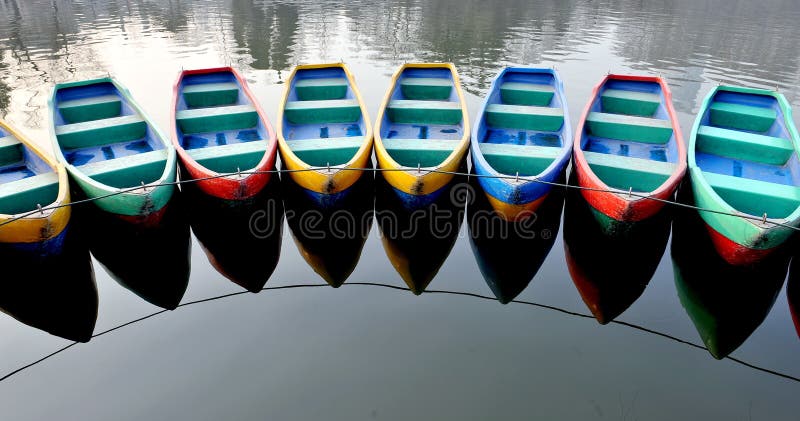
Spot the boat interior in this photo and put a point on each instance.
(423, 122)
(746, 154)
(627, 138)
(322, 119)
(26, 181)
(522, 126)
(217, 124)
(105, 137)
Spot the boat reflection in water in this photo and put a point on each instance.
(726, 303)
(611, 270)
(52, 292)
(509, 254)
(241, 238)
(330, 239)
(151, 261)
(793, 292)
(418, 241)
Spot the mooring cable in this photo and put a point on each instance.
(401, 288)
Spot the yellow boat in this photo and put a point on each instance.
(422, 126)
(323, 123)
(34, 194)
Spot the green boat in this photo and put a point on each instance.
(111, 149)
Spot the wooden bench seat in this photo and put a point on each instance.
(24, 195)
(742, 117)
(217, 119)
(211, 94)
(619, 101)
(128, 171)
(744, 145)
(228, 158)
(521, 93)
(406, 111)
(625, 127)
(323, 111)
(420, 152)
(426, 88)
(91, 108)
(327, 151)
(525, 117)
(101, 132)
(755, 197)
(315, 89)
(624, 172)
(528, 160)
(11, 150)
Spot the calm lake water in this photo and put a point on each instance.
(364, 352)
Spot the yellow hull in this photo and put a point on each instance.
(515, 213)
(44, 225)
(337, 178)
(413, 181)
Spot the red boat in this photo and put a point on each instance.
(629, 149)
(218, 128)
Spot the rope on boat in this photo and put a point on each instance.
(516, 178)
(401, 288)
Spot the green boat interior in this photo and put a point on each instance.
(746, 153)
(101, 134)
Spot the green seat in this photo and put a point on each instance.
(128, 171)
(619, 101)
(217, 119)
(624, 172)
(742, 117)
(91, 108)
(321, 89)
(231, 157)
(101, 132)
(524, 117)
(426, 88)
(744, 145)
(406, 111)
(625, 127)
(420, 152)
(24, 195)
(520, 93)
(527, 160)
(328, 151)
(755, 197)
(11, 150)
(321, 112)
(211, 94)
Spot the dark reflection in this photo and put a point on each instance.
(242, 239)
(793, 292)
(726, 303)
(611, 271)
(266, 31)
(418, 242)
(331, 239)
(153, 262)
(509, 254)
(52, 292)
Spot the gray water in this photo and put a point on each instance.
(361, 352)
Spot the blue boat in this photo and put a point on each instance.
(522, 133)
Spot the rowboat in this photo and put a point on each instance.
(113, 152)
(219, 128)
(628, 150)
(34, 196)
(324, 131)
(522, 137)
(743, 162)
(422, 131)
(793, 293)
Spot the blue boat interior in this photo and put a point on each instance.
(322, 121)
(423, 121)
(522, 127)
(628, 138)
(747, 154)
(218, 124)
(26, 181)
(105, 137)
